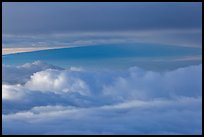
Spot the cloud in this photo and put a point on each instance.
(56, 81)
(21, 74)
(182, 116)
(92, 16)
(12, 92)
(179, 37)
(80, 101)
(148, 84)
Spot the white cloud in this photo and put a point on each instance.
(136, 117)
(21, 74)
(147, 84)
(79, 101)
(12, 92)
(57, 82)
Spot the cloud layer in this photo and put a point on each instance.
(99, 16)
(190, 37)
(79, 101)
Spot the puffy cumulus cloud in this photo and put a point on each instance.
(12, 92)
(143, 84)
(79, 101)
(57, 82)
(21, 74)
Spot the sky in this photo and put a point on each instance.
(41, 97)
(44, 24)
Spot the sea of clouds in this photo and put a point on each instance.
(40, 98)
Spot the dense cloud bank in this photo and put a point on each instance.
(45, 99)
(74, 17)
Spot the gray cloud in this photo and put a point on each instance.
(178, 37)
(62, 17)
